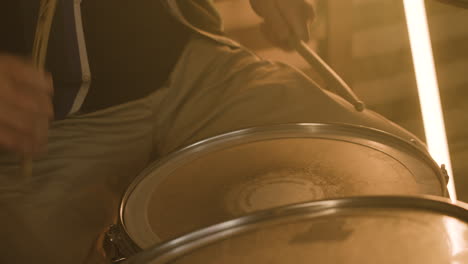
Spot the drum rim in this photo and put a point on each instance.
(174, 248)
(315, 128)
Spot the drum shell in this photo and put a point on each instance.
(422, 229)
(378, 147)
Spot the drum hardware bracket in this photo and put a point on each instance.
(117, 246)
(445, 173)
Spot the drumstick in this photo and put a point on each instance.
(317, 63)
(39, 52)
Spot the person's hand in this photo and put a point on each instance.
(285, 19)
(25, 106)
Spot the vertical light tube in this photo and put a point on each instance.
(428, 89)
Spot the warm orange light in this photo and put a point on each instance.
(428, 89)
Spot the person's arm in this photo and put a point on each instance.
(25, 105)
(285, 19)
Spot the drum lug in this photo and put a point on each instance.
(117, 246)
(445, 173)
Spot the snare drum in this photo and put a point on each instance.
(406, 230)
(260, 168)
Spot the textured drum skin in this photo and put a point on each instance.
(239, 173)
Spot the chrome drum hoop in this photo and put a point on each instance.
(173, 249)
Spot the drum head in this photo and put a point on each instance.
(250, 170)
(353, 230)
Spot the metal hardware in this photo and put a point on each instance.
(117, 245)
(445, 173)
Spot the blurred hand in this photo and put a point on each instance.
(25, 106)
(284, 19)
